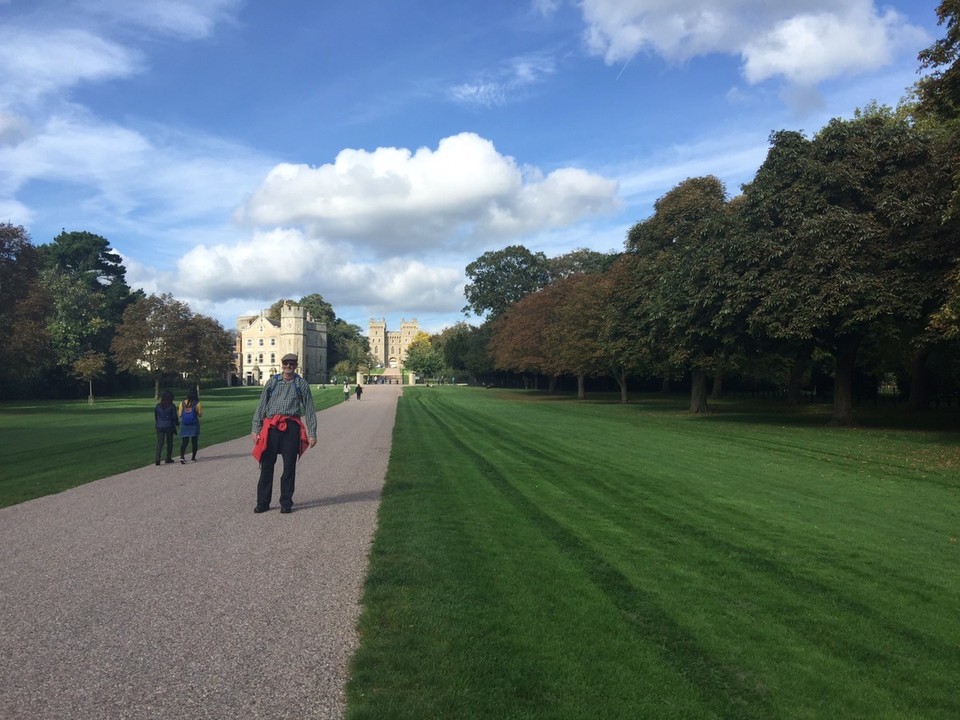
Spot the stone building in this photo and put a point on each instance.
(389, 347)
(261, 343)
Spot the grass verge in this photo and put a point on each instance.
(544, 558)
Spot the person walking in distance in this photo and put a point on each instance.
(346, 391)
(165, 420)
(284, 424)
(359, 390)
(190, 412)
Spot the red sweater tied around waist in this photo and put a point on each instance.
(280, 423)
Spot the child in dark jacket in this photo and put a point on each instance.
(166, 420)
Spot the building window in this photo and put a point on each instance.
(273, 342)
(249, 342)
(261, 342)
(273, 357)
(249, 358)
(260, 358)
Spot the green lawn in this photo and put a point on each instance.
(540, 557)
(47, 447)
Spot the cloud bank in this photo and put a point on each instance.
(799, 41)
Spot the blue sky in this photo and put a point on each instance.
(236, 152)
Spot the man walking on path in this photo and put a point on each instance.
(279, 429)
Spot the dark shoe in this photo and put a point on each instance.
(182, 461)
(261, 508)
(193, 459)
(157, 462)
(286, 510)
(169, 461)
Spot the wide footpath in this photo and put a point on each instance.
(159, 593)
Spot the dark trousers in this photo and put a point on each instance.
(165, 436)
(194, 442)
(286, 444)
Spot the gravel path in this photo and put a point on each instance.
(158, 593)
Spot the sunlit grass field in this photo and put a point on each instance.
(48, 446)
(540, 557)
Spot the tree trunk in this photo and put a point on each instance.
(795, 377)
(919, 395)
(552, 386)
(580, 392)
(844, 362)
(698, 391)
(156, 389)
(717, 392)
(665, 384)
(620, 375)
(90, 396)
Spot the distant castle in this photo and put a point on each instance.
(261, 342)
(389, 347)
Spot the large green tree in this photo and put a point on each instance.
(79, 321)
(938, 109)
(87, 282)
(87, 257)
(346, 342)
(581, 260)
(465, 350)
(686, 309)
(320, 310)
(849, 243)
(424, 357)
(501, 277)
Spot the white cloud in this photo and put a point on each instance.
(288, 262)
(801, 41)
(807, 49)
(396, 201)
(546, 7)
(500, 86)
(192, 19)
(38, 62)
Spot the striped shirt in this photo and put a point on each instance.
(286, 398)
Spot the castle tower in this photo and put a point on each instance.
(293, 320)
(408, 331)
(378, 340)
